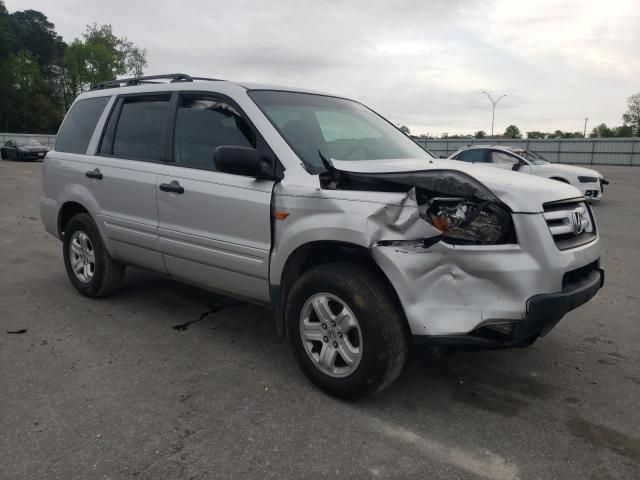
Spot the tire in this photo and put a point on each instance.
(379, 336)
(104, 276)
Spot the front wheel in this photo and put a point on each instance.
(345, 331)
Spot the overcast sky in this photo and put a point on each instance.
(420, 63)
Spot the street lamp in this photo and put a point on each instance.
(493, 111)
(585, 127)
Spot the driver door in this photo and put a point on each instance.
(214, 227)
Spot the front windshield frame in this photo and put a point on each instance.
(420, 151)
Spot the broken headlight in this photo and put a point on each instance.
(467, 221)
(464, 210)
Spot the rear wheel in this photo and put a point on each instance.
(89, 267)
(345, 330)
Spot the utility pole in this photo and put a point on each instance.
(493, 110)
(585, 128)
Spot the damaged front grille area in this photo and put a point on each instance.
(570, 223)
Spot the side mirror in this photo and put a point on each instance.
(516, 166)
(237, 160)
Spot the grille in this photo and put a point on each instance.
(570, 223)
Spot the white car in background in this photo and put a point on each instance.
(588, 181)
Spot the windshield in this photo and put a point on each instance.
(532, 157)
(318, 125)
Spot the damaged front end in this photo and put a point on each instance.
(463, 210)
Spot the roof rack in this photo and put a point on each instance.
(127, 82)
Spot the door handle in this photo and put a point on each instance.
(95, 173)
(173, 187)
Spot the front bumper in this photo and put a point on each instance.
(595, 190)
(455, 290)
(33, 155)
(543, 313)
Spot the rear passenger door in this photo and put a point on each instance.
(214, 227)
(123, 179)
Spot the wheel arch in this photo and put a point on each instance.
(67, 211)
(315, 253)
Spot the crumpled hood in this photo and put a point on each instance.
(522, 193)
(573, 170)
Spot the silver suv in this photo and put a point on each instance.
(357, 238)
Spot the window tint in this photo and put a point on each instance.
(202, 124)
(140, 129)
(503, 158)
(472, 155)
(79, 124)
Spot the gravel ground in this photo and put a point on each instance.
(111, 389)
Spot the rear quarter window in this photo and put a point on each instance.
(79, 124)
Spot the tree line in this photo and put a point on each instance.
(40, 74)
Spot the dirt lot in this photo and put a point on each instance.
(111, 389)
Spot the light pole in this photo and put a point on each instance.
(585, 128)
(493, 111)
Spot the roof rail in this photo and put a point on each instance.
(127, 82)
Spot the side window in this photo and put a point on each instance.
(503, 158)
(204, 123)
(138, 130)
(472, 155)
(79, 124)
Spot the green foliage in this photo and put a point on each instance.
(512, 132)
(404, 129)
(98, 57)
(603, 131)
(631, 117)
(480, 134)
(40, 75)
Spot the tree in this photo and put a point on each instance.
(480, 134)
(632, 116)
(30, 105)
(601, 131)
(98, 57)
(404, 129)
(536, 134)
(30, 72)
(512, 132)
(623, 131)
